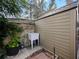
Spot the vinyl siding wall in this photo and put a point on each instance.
(59, 31)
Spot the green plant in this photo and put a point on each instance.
(13, 39)
(14, 31)
(3, 30)
(8, 29)
(14, 42)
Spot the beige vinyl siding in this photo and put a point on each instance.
(59, 31)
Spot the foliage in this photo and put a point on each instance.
(14, 8)
(21, 7)
(11, 7)
(14, 31)
(3, 30)
(14, 41)
(9, 29)
(40, 6)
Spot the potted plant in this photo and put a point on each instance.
(12, 47)
(9, 37)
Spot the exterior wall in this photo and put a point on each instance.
(27, 27)
(59, 31)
